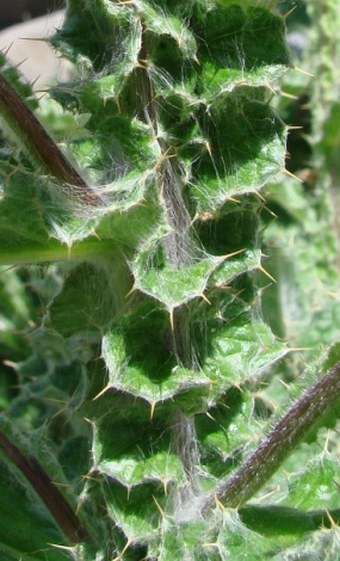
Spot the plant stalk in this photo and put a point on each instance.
(55, 502)
(275, 519)
(55, 251)
(42, 146)
(282, 440)
(177, 248)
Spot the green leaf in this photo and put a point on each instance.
(164, 25)
(133, 454)
(323, 546)
(137, 205)
(239, 44)
(29, 529)
(95, 34)
(21, 219)
(242, 147)
(225, 430)
(153, 377)
(88, 315)
(135, 511)
(173, 287)
(240, 347)
(232, 268)
(224, 536)
(277, 520)
(315, 486)
(180, 86)
(13, 76)
(26, 526)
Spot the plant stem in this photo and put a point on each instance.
(275, 519)
(42, 146)
(55, 251)
(47, 491)
(282, 440)
(178, 252)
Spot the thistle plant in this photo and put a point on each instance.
(138, 426)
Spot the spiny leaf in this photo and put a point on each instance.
(173, 287)
(316, 485)
(239, 349)
(320, 546)
(135, 511)
(237, 45)
(133, 456)
(221, 537)
(242, 147)
(152, 377)
(87, 293)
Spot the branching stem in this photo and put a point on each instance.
(41, 144)
(55, 502)
(282, 440)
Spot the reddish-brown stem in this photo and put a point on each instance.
(282, 440)
(47, 491)
(41, 144)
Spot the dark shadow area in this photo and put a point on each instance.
(233, 229)
(18, 11)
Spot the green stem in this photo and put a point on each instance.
(54, 251)
(178, 252)
(282, 440)
(274, 520)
